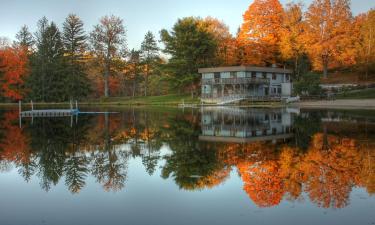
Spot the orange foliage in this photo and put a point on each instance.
(15, 146)
(259, 35)
(13, 64)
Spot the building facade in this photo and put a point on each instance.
(223, 85)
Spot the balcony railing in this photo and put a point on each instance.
(235, 81)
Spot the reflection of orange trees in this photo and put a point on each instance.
(262, 182)
(15, 145)
(326, 172)
(210, 181)
(330, 174)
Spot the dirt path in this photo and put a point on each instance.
(339, 104)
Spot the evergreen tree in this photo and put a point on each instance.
(74, 40)
(24, 38)
(47, 80)
(191, 46)
(149, 54)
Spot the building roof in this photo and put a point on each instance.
(244, 69)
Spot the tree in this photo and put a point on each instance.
(108, 40)
(13, 71)
(226, 45)
(328, 35)
(47, 81)
(260, 32)
(25, 38)
(366, 54)
(149, 55)
(190, 47)
(292, 45)
(134, 68)
(309, 84)
(75, 46)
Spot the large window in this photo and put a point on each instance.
(217, 75)
(274, 76)
(253, 75)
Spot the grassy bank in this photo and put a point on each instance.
(171, 100)
(358, 94)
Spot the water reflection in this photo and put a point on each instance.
(318, 156)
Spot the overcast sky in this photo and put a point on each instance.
(139, 15)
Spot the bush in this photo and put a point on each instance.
(309, 84)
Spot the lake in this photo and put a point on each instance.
(189, 166)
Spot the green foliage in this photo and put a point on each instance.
(309, 84)
(75, 45)
(25, 38)
(149, 56)
(47, 81)
(191, 47)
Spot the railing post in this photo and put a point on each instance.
(32, 105)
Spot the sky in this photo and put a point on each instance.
(139, 16)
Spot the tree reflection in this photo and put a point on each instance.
(321, 160)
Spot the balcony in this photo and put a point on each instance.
(224, 81)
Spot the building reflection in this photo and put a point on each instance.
(240, 125)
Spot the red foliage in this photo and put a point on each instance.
(13, 65)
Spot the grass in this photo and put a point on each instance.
(358, 94)
(150, 100)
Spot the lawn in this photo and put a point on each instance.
(358, 94)
(150, 100)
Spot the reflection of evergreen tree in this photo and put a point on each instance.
(76, 169)
(51, 138)
(305, 126)
(189, 160)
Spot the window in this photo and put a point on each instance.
(287, 77)
(274, 76)
(264, 75)
(217, 75)
(274, 131)
(253, 74)
(279, 90)
(232, 74)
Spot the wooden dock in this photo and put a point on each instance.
(49, 112)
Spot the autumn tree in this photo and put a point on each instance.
(74, 40)
(190, 46)
(149, 55)
(226, 45)
(260, 32)
(366, 49)
(108, 40)
(328, 34)
(13, 72)
(292, 46)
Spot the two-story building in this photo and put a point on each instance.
(223, 85)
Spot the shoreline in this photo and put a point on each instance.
(320, 104)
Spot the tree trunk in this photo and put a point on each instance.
(106, 77)
(325, 66)
(146, 81)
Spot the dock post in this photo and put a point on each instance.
(71, 104)
(76, 105)
(19, 107)
(32, 105)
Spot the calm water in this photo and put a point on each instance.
(210, 166)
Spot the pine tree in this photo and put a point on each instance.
(75, 46)
(25, 38)
(47, 81)
(149, 55)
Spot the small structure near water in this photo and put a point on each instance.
(48, 112)
(224, 85)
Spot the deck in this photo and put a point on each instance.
(50, 113)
